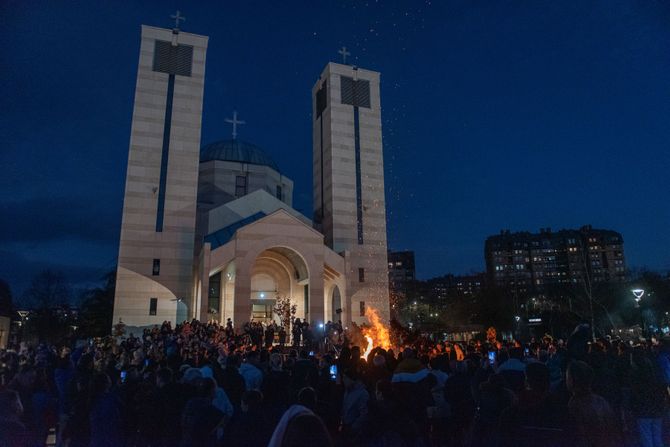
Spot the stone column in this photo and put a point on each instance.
(242, 298)
(316, 297)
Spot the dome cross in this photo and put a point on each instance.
(234, 121)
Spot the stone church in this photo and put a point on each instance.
(209, 231)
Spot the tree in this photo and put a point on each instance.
(284, 310)
(6, 304)
(47, 289)
(97, 308)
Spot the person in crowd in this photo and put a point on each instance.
(512, 368)
(412, 385)
(270, 335)
(187, 385)
(251, 372)
(494, 398)
(304, 372)
(648, 399)
(355, 402)
(591, 418)
(232, 381)
(105, 413)
(252, 425)
(200, 418)
(300, 427)
(13, 432)
(276, 384)
(282, 337)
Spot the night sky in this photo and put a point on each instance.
(496, 115)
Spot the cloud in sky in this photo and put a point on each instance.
(77, 236)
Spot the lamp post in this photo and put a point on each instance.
(24, 316)
(638, 294)
(517, 321)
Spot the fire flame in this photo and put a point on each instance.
(371, 343)
(377, 334)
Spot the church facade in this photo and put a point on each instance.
(210, 232)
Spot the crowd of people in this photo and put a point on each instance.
(202, 384)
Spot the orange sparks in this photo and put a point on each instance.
(377, 334)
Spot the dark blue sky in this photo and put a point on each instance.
(496, 114)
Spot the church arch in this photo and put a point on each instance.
(278, 272)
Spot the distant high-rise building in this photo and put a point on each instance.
(448, 286)
(401, 269)
(529, 263)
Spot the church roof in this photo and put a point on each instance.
(222, 236)
(238, 151)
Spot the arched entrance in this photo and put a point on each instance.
(275, 272)
(278, 272)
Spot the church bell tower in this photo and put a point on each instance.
(348, 181)
(155, 267)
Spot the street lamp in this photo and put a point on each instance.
(638, 294)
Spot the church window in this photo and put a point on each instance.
(240, 185)
(153, 306)
(279, 192)
(157, 267)
(361, 274)
(361, 310)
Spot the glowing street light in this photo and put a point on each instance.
(638, 294)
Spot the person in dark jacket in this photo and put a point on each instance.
(12, 431)
(200, 418)
(252, 426)
(232, 381)
(648, 399)
(105, 413)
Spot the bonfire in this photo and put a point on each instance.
(377, 333)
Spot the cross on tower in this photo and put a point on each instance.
(177, 18)
(343, 51)
(234, 121)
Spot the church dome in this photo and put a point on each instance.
(237, 151)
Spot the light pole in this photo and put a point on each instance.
(638, 294)
(517, 320)
(24, 316)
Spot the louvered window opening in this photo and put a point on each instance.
(355, 92)
(170, 59)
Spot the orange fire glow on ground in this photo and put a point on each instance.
(377, 334)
